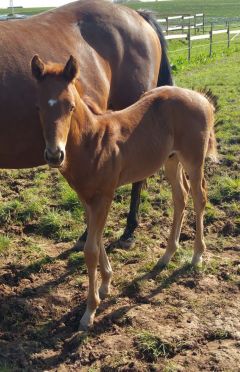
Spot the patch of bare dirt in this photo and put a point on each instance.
(198, 313)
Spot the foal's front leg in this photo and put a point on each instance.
(97, 213)
(126, 239)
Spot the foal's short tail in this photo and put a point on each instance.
(212, 152)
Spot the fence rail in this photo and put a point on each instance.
(183, 18)
(209, 35)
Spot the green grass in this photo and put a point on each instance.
(226, 189)
(4, 244)
(218, 334)
(28, 11)
(151, 347)
(213, 8)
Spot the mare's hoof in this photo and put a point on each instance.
(79, 245)
(125, 243)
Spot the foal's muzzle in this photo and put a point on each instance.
(54, 158)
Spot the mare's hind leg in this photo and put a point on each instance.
(79, 245)
(132, 219)
(180, 189)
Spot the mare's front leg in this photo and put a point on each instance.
(97, 212)
(180, 190)
(132, 219)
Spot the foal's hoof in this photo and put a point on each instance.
(197, 260)
(164, 260)
(103, 292)
(87, 320)
(83, 327)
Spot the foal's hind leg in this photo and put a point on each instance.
(198, 187)
(106, 271)
(132, 219)
(180, 189)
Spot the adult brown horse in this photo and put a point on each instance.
(98, 153)
(121, 54)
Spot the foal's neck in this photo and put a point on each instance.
(83, 119)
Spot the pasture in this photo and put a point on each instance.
(176, 319)
(212, 8)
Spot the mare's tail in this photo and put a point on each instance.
(165, 73)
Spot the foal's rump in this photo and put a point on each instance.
(190, 115)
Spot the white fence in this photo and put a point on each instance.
(229, 30)
(184, 22)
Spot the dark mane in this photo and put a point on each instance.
(211, 97)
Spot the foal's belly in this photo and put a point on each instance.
(141, 169)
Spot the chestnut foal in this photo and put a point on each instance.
(97, 153)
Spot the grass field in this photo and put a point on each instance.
(28, 11)
(212, 8)
(177, 319)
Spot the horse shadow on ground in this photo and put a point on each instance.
(60, 333)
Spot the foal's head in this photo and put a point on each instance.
(56, 103)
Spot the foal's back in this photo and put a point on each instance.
(165, 120)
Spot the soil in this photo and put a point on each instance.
(196, 312)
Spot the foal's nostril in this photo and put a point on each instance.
(55, 158)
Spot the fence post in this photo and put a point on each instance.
(203, 22)
(211, 37)
(228, 34)
(167, 24)
(189, 43)
(195, 22)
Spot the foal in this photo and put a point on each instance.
(96, 153)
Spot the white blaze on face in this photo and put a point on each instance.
(52, 102)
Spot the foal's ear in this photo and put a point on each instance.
(71, 69)
(37, 66)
